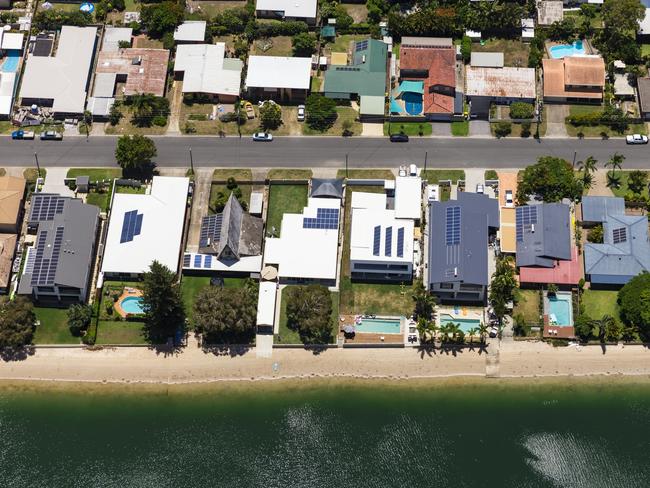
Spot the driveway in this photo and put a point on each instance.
(479, 128)
(473, 177)
(555, 116)
(441, 129)
(201, 200)
(372, 129)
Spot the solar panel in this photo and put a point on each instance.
(38, 259)
(400, 242)
(45, 207)
(207, 261)
(362, 46)
(375, 240)
(187, 259)
(525, 218)
(131, 226)
(326, 218)
(620, 235)
(452, 235)
(210, 230)
(388, 241)
(197, 261)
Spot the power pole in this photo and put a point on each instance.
(346, 165)
(426, 156)
(191, 162)
(38, 168)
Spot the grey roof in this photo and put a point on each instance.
(643, 87)
(113, 36)
(625, 251)
(463, 259)
(596, 209)
(327, 187)
(544, 239)
(487, 60)
(231, 234)
(63, 250)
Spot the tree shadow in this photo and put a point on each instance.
(232, 350)
(426, 349)
(142, 173)
(17, 353)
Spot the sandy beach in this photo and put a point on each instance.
(193, 365)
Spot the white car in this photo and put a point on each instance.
(636, 139)
(480, 188)
(262, 136)
(301, 113)
(509, 200)
(494, 331)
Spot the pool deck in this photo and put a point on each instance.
(464, 313)
(370, 337)
(558, 331)
(128, 292)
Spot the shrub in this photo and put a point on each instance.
(466, 49)
(502, 129)
(160, 120)
(522, 110)
(525, 129)
(596, 234)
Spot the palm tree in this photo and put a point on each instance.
(445, 330)
(588, 165)
(455, 331)
(587, 180)
(482, 330)
(604, 327)
(424, 301)
(471, 333)
(615, 163)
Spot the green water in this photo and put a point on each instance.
(455, 436)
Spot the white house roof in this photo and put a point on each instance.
(278, 72)
(11, 40)
(206, 70)
(245, 264)
(62, 78)
(408, 197)
(144, 228)
(190, 31)
(113, 36)
(306, 250)
(266, 303)
(644, 25)
(375, 201)
(7, 86)
(291, 8)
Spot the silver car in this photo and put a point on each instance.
(262, 137)
(301, 113)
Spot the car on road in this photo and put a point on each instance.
(301, 113)
(22, 134)
(262, 137)
(51, 135)
(636, 139)
(399, 137)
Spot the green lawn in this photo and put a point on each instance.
(284, 199)
(190, 287)
(240, 174)
(527, 305)
(460, 129)
(102, 200)
(215, 188)
(122, 332)
(645, 49)
(623, 188)
(234, 282)
(598, 130)
(272, 46)
(437, 175)
(598, 303)
(380, 299)
(343, 114)
(53, 328)
(290, 336)
(95, 174)
(408, 128)
(491, 174)
(342, 43)
(133, 190)
(366, 174)
(289, 174)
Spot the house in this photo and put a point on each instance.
(12, 192)
(574, 79)
(229, 242)
(278, 77)
(61, 81)
(381, 244)
(146, 227)
(307, 249)
(364, 77)
(11, 45)
(59, 266)
(113, 36)
(408, 197)
(204, 69)
(643, 90)
(190, 31)
(458, 247)
(549, 12)
(644, 25)
(431, 62)
(498, 85)
(305, 10)
(625, 250)
(507, 214)
(7, 251)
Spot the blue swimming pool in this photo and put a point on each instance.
(465, 324)
(412, 103)
(566, 50)
(132, 305)
(10, 63)
(560, 310)
(379, 326)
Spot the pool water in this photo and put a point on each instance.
(566, 50)
(560, 306)
(412, 103)
(465, 324)
(10, 64)
(379, 326)
(132, 305)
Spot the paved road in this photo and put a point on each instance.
(322, 152)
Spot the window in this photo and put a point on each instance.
(446, 286)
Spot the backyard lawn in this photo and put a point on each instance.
(623, 188)
(527, 305)
(190, 287)
(95, 174)
(289, 336)
(515, 52)
(120, 332)
(380, 299)
(409, 128)
(342, 43)
(645, 49)
(284, 199)
(53, 327)
(272, 46)
(598, 303)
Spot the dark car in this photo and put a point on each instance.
(51, 135)
(399, 138)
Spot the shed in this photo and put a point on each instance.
(83, 184)
(257, 204)
(266, 304)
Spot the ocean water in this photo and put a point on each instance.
(478, 435)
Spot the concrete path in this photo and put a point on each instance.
(479, 128)
(442, 129)
(54, 182)
(599, 186)
(263, 345)
(372, 129)
(473, 177)
(200, 203)
(175, 109)
(555, 116)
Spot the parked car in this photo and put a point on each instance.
(509, 200)
(636, 139)
(399, 138)
(432, 193)
(480, 188)
(22, 134)
(301, 113)
(250, 112)
(262, 137)
(494, 331)
(51, 135)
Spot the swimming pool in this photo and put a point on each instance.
(465, 324)
(566, 50)
(132, 305)
(560, 306)
(10, 64)
(379, 326)
(412, 103)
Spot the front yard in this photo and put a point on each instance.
(95, 174)
(598, 130)
(343, 114)
(126, 127)
(623, 189)
(284, 199)
(289, 174)
(409, 128)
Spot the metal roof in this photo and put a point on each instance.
(543, 234)
(487, 60)
(206, 70)
(278, 72)
(191, 31)
(596, 209)
(113, 36)
(327, 187)
(364, 75)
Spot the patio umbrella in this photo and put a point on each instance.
(349, 329)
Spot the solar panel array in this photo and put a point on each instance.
(453, 226)
(187, 260)
(210, 229)
(197, 261)
(362, 45)
(620, 235)
(375, 240)
(131, 226)
(45, 207)
(326, 218)
(389, 241)
(400, 242)
(525, 217)
(200, 260)
(207, 261)
(45, 268)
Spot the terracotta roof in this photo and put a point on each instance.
(12, 190)
(560, 74)
(563, 273)
(584, 71)
(7, 247)
(148, 76)
(440, 62)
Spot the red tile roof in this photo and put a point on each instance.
(441, 63)
(564, 273)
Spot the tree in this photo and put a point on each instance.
(303, 44)
(146, 108)
(115, 114)
(551, 179)
(161, 18)
(270, 116)
(424, 302)
(321, 112)
(589, 164)
(522, 110)
(587, 180)
(637, 181)
(135, 153)
(604, 329)
(552, 289)
(615, 163)
(502, 286)
(426, 330)
(596, 234)
(502, 129)
(466, 49)
(17, 323)
(622, 15)
(79, 316)
(162, 302)
(309, 311)
(229, 312)
(634, 303)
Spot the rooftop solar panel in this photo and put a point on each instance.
(131, 226)
(197, 261)
(619, 235)
(525, 217)
(388, 247)
(452, 236)
(187, 259)
(375, 240)
(400, 242)
(326, 218)
(207, 261)
(210, 230)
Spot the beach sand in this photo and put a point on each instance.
(195, 366)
